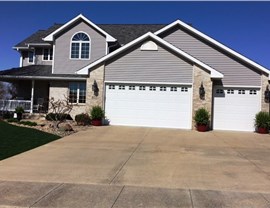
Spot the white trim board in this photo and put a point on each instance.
(220, 45)
(50, 37)
(213, 72)
(148, 83)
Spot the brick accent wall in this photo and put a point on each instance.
(265, 82)
(201, 76)
(97, 74)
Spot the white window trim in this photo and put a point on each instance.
(34, 57)
(80, 47)
(78, 92)
(49, 54)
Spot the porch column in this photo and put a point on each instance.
(32, 96)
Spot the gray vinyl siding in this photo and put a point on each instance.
(234, 72)
(148, 66)
(62, 62)
(38, 58)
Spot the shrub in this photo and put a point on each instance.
(83, 119)
(97, 113)
(58, 117)
(262, 120)
(19, 109)
(202, 116)
(28, 123)
(7, 115)
(12, 120)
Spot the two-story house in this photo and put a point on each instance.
(142, 75)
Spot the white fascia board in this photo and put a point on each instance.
(50, 37)
(19, 48)
(213, 72)
(227, 49)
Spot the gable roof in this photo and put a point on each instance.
(124, 33)
(50, 37)
(213, 72)
(216, 43)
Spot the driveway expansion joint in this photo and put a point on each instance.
(190, 196)
(49, 192)
(117, 196)
(117, 173)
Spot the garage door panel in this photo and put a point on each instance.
(149, 108)
(235, 111)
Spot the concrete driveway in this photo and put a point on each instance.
(186, 168)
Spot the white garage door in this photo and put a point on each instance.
(235, 108)
(152, 106)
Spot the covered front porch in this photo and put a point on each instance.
(33, 85)
(31, 95)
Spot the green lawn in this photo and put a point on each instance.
(15, 139)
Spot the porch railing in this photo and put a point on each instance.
(11, 105)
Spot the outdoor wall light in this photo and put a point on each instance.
(95, 88)
(202, 92)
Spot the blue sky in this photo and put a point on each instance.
(243, 26)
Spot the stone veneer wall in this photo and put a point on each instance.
(59, 90)
(97, 74)
(265, 82)
(199, 76)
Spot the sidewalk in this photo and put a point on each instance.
(32, 194)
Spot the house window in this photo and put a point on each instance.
(131, 87)
(252, 92)
(173, 89)
(31, 56)
(122, 87)
(241, 92)
(230, 91)
(141, 87)
(80, 46)
(47, 54)
(162, 88)
(152, 88)
(77, 92)
(111, 87)
(184, 89)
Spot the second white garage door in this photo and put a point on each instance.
(235, 108)
(151, 106)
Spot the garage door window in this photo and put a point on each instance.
(173, 89)
(162, 88)
(131, 88)
(230, 91)
(252, 92)
(219, 91)
(184, 89)
(111, 87)
(152, 88)
(241, 92)
(121, 87)
(142, 88)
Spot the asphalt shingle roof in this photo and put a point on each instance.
(124, 33)
(36, 71)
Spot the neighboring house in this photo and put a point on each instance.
(146, 75)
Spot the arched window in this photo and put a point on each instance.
(80, 46)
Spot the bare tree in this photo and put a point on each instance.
(59, 110)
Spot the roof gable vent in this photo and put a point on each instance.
(149, 46)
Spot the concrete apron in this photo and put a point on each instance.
(170, 159)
